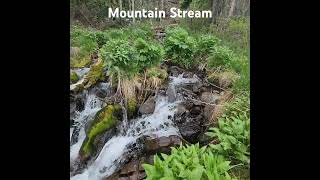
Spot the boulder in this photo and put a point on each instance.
(105, 119)
(148, 106)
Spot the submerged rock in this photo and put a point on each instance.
(148, 106)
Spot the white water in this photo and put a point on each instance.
(92, 106)
(157, 124)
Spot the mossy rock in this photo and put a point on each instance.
(74, 77)
(104, 120)
(95, 74)
(132, 108)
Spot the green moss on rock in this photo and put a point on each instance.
(104, 120)
(94, 75)
(74, 77)
(132, 107)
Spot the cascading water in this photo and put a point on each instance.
(160, 123)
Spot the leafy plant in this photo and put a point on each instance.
(120, 57)
(221, 56)
(190, 163)
(233, 131)
(205, 45)
(149, 54)
(179, 47)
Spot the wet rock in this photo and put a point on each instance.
(196, 88)
(180, 110)
(187, 75)
(175, 71)
(209, 97)
(148, 106)
(195, 110)
(190, 132)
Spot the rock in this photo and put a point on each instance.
(196, 110)
(175, 71)
(148, 106)
(161, 144)
(104, 120)
(190, 132)
(74, 51)
(180, 110)
(187, 75)
(196, 88)
(207, 112)
(209, 97)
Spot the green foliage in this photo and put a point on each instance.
(221, 56)
(120, 57)
(190, 163)
(94, 75)
(179, 47)
(149, 54)
(205, 44)
(73, 77)
(233, 132)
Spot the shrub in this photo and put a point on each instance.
(190, 163)
(149, 54)
(120, 57)
(220, 56)
(179, 47)
(205, 45)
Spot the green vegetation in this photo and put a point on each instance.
(73, 77)
(233, 132)
(179, 47)
(132, 58)
(190, 163)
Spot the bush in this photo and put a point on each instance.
(221, 56)
(205, 45)
(179, 47)
(120, 57)
(233, 132)
(190, 163)
(149, 54)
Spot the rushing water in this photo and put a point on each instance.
(113, 153)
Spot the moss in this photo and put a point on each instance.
(132, 107)
(74, 77)
(104, 120)
(94, 75)
(80, 61)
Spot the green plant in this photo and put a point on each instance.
(205, 45)
(120, 57)
(149, 54)
(190, 163)
(179, 47)
(220, 56)
(233, 131)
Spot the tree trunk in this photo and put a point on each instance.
(232, 6)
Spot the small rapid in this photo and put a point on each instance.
(116, 150)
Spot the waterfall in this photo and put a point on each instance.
(116, 151)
